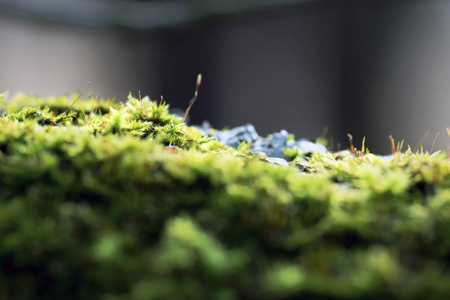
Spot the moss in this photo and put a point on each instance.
(100, 207)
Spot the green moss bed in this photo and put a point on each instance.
(110, 201)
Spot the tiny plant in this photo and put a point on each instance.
(76, 99)
(350, 139)
(355, 152)
(194, 97)
(85, 117)
(396, 149)
(434, 142)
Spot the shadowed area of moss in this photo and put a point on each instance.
(98, 207)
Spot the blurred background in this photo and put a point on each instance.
(369, 68)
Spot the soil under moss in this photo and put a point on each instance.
(124, 201)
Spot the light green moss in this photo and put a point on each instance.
(103, 209)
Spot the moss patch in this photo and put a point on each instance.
(124, 201)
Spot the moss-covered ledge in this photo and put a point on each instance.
(110, 200)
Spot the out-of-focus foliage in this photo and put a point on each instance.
(98, 207)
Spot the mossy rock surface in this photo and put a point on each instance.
(95, 205)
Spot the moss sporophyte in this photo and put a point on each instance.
(110, 200)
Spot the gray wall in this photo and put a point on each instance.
(280, 72)
(395, 72)
(52, 59)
